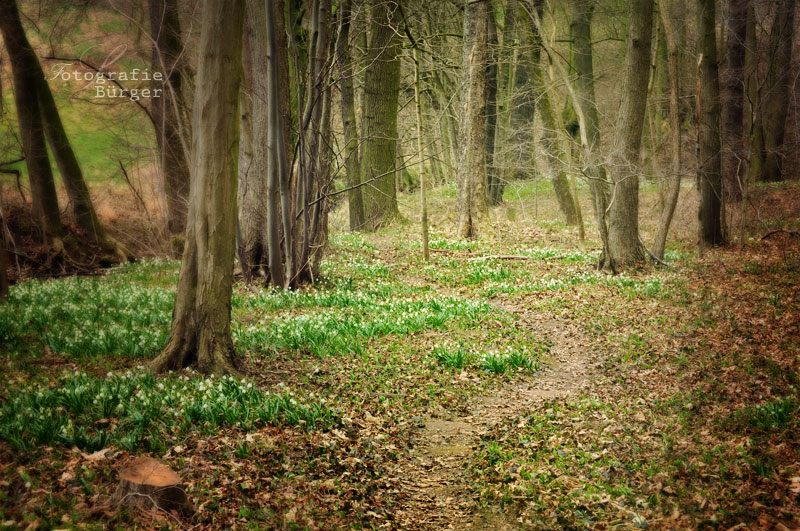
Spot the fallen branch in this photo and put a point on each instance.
(794, 233)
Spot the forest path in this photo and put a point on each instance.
(435, 491)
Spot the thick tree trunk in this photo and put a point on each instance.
(623, 229)
(25, 68)
(776, 90)
(709, 174)
(201, 333)
(733, 156)
(471, 178)
(167, 111)
(381, 91)
(352, 166)
(671, 11)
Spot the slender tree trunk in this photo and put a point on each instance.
(471, 179)
(494, 195)
(671, 11)
(25, 68)
(201, 333)
(167, 111)
(709, 174)
(380, 117)
(776, 87)
(586, 108)
(623, 229)
(733, 156)
(753, 112)
(522, 162)
(3, 246)
(553, 150)
(352, 166)
(421, 150)
(254, 152)
(277, 125)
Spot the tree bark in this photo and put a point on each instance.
(167, 111)
(201, 334)
(277, 125)
(381, 91)
(471, 178)
(776, 87)
(709, 173)
(623, 229)
(553, 150)
(586, 108)
(671, 12)
(733, 156)
(25, 68)
(352, 166)
(494, 181)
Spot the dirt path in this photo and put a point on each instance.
(436, 487)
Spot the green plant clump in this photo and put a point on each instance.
(136, 410)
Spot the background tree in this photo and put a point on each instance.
(624, 245)
(671, 12)
(733, 157)
(201, 333)
(709, 174)
(471, 177)
(352, 166)
(24, 66)
(168, 110)
(381, 90)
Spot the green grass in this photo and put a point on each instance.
(134, 410)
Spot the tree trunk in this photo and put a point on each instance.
(253, 149)
(201, 333)
(3, 246)
(586, 108)
(380, 117)
(776, 90)
(671, 12)
(709, 174)
(494, 182)
(471, 178)
(623, 229)
(522, 163)
(277, 124)
(551, 146)
(352, 166)
(733, 156)
(25, 68)
(167, 111)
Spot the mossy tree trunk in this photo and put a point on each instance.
(200, 335)
(381, 91)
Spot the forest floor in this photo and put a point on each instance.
(504, 385)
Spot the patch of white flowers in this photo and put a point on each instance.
(134, 408)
